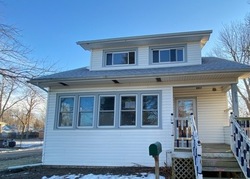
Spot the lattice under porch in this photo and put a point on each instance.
(183, 168)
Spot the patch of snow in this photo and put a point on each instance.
(25, 145)
(107, 176)
(7, 150)
(29, 143)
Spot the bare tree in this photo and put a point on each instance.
(8, 88)
(16, 68)
(14, 61)
(25, 113)
(234, 44)
(32, 100)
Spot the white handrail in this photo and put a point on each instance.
(240, 146)
(196, 150)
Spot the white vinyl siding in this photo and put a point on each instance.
(194, 53)
(192, 57)
(212, 115)
(107, 147)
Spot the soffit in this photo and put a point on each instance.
(178, 80)
(182, 37)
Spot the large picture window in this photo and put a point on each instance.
(150, 110)
(120, 58)
(66, 112)
(168, 55)
(117, 109)
(106, 110)
(128, 111)
(86, 111)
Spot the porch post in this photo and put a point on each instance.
(235, 103)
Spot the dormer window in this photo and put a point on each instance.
(120, 58)
(167, 55)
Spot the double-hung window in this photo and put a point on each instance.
(120, 58)
(86, 111)
(106, 111)
(66, 111)
(128, 110)
(150, 110)
(168, 55)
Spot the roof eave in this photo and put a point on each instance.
(182, 37)
(42, 82)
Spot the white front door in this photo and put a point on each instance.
(184, 108)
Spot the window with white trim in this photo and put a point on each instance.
(66, 112)
(168, 55)
(150, 113)
(86, 111)
(106, 111)
(120, 58)
(128, 110)
(114, 109)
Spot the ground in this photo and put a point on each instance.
(31, 153)
(48, 171)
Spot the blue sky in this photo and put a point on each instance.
(51, 28)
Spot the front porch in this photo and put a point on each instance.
(213, 160)
(209, 106)
(219, 145)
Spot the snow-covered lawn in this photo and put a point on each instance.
(107, 176)
(25, 145)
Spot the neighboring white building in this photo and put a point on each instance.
(109, 113)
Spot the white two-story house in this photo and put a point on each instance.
(109, 113)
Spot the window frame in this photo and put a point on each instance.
(136, 112)
(105, 53)
(158, 110)
(117, 112)
(78, 111)
(99, 106)
(183, 47)
(59, 112)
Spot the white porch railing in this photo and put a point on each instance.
(185, 135)
(196, 150)
(240, 143)
(182, 132)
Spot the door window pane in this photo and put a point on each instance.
(150, 110)
(185, 108)
(86, 111)
(66, 112)
(128, 111)
(106, 112)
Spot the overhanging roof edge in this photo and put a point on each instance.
(87, 44)
(38, 81)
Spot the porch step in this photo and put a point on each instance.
(221, 169)
(218, 161)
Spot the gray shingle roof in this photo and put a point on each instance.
(209, 65)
